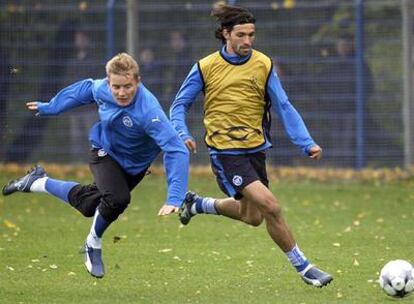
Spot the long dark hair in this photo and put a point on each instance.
(229, 16)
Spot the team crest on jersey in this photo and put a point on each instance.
(102, 153)
(127, 121)
(237, 180)
(253, 82)
(101, 104)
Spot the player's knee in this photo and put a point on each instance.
(271, 208)
(114, 205)
(255, 220)
(85, 199)
(87, 212)
(121, 202)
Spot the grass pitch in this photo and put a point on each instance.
(347, 229)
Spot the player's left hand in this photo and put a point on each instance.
(315, 152)
(167, 209)
(32, 106)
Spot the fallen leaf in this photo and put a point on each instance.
(348, 229)
(362, 215)
(9, 224)
(356, 263)
(165, 250)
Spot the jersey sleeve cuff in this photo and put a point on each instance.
(178, 205)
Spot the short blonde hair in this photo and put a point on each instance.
(122, 64)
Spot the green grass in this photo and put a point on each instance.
(347, 229)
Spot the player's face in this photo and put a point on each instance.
(123, 88)
(241, 39)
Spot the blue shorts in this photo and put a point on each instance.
(235, 172)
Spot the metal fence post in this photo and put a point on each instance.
(110, 29)
(132, 27)
(360, 84)
(408, 104)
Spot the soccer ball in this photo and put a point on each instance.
(397, 278)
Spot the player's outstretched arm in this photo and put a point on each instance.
(176, 158)
(191, 87)
(75, 95)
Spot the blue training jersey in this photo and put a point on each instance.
(290, 118)
(132, 135)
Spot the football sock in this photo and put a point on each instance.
(297, 258)
(39, 185)
(204, 205)
(93, 241)
(58, 188)
(98, 227)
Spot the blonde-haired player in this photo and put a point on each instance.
(132, 131)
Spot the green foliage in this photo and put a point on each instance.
(347, 229)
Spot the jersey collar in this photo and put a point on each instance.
(234, 58)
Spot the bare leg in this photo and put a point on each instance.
(228, 207)
(261, 197)
(259, 203)
(239, 210)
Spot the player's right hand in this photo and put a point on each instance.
(191, 145)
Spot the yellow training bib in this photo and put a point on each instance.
(236, 108)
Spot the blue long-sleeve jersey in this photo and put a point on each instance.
(132, 135)
(290, 118)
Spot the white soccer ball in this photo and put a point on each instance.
(397, 278)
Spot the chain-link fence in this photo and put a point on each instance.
(46, 45)
(339, 61)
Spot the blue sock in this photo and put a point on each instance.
(297, 258)
(98, 227)
(100, 224)
(205, 205)
(59, 188)
(199, 205)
